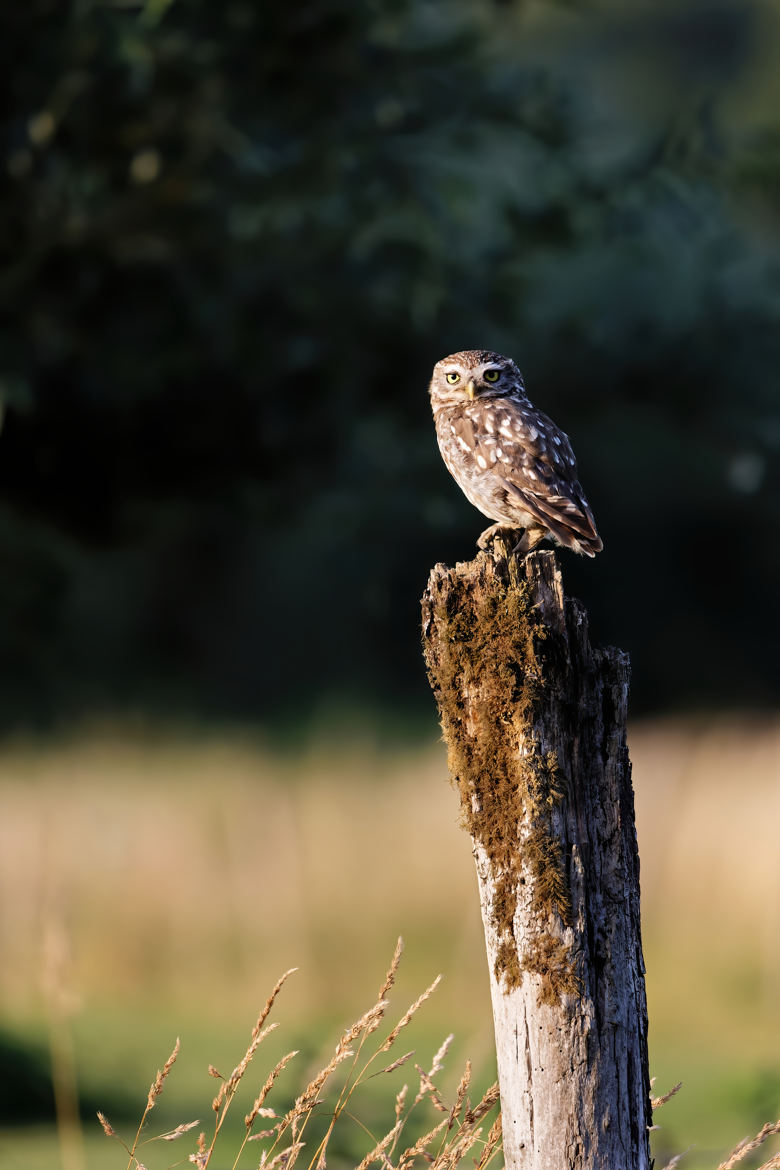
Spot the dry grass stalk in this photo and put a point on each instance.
(485, 1105)
(455, 1134)
(412, 1152)
(262, 1134)
(228, 1087)
(283, 1158)
(457, 1150)
(492, 1142)
(675, 1161)
(158, 1082)
(460, 1095)
(176, 1133)
(310, 1094)
(368, 1023)
(393, 970)
(201, 1155)
(748, 1145)
(409, 1013)
(266, 1089)
(657, 1102)
(772, 1164)
(438, 1060)
(378, 1152)
(396, 1063)
(108, 1129)
(428, 1088)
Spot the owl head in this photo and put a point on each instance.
(475, 373)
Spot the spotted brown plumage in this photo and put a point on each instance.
(511, 460)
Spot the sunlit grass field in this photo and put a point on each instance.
(155, 886)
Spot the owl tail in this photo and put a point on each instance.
(569, 521)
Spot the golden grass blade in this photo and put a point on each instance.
(460, 1095)
(368, 1023)
(438, 1060)
(393, 971)
(396, 1063)
(453, 1153)
(177, 1133)
(657, 1102)
(266, 1089)
(492, 1143)
(379, 1149)
(485, 1105)
(158, 1082)
(427, 1088)
(308, 1098)
(409, 1013)
(228, 1087)
(420, 1145)
(283, 1158)
(748, 1145)
(674, 1162)
(108, 1128)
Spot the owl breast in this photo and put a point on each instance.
(479, 455)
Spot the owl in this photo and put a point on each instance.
(509, 459)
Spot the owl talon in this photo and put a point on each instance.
(504, 542)
(496, 532)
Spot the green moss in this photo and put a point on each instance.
(487, 673)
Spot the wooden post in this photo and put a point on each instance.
(535, 724)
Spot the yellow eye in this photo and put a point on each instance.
(492, 375)
(452, 377)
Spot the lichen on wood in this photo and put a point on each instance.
(509, 786)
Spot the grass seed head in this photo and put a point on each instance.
(393, 970)
(108, 1128)
(157, 1084)
(177, 1133)
(409, 1013)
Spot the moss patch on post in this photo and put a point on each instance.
(487, 676)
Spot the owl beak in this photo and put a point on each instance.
(471, 389)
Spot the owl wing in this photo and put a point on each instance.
(535, 463)
(567, 517)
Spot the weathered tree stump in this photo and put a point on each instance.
(535, 724)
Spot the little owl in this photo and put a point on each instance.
(510, 460)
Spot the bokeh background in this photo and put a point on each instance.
(236, 237)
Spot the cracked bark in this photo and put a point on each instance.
(535, 723)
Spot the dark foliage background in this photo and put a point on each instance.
(236, 238)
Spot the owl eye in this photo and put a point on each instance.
(492, 375)
(452, 377)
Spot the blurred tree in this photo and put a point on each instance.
(236, 239)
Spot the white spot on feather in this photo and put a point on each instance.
(482, 462)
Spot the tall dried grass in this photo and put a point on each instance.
(326, 1095)
(442, 1146)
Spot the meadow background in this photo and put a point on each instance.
(235, 240)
